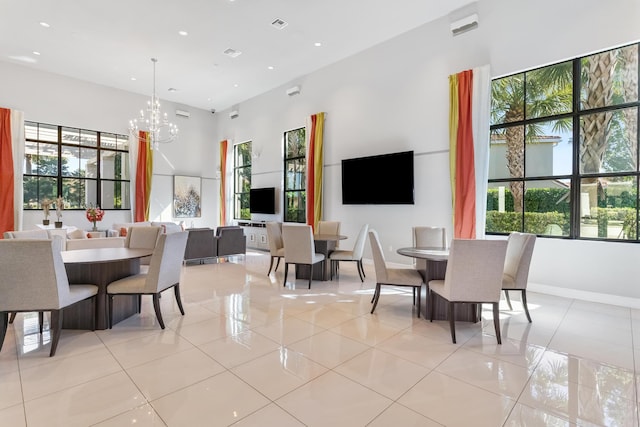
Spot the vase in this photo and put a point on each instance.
(95, 228)
(58, 224)
(45, 222)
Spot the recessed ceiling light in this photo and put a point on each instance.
(35, 52)
(133, 79)
(44, 24)
(183, 33)
(208, 99)
(270, 67)
(317, 44)
(235, 85)
(232, 52)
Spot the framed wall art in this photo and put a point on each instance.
(187, 196)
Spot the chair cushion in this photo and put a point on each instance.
(437, 286)
(403, 276)
(78, 293)
(342, 256)
(128, 285)
(26, 234)
(77, 234)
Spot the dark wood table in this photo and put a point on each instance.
(324, 244)
(101, 267)
(436, 269)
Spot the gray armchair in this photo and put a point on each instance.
(201, 244)
(231, 241)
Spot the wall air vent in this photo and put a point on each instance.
(279, 24)
(465, 24)
(232, 52)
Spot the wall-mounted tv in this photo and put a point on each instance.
(262, 200)
(385, 179)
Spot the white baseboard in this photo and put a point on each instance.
(584, 295)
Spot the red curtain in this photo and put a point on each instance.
(223, 182)
(465, 174)
(144, 170)
(6, 173)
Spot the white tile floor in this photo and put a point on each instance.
(250, 352)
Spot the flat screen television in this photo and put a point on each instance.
(262, 200)
(385, 179)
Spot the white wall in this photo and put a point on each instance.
(394, 97)
(54, 99)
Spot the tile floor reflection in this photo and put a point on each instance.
(250, 352)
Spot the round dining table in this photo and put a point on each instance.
(324, 244)
(436, 269)
(100, 267)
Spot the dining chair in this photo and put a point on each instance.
(143, 238)
(164, 273)
(474, 275)
(516, 267)
(34, 279)
(329, 227)
(299, 248)
(433, 237)
(276, 246)
(354, 255)
(392, 276)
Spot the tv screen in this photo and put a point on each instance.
(262, 200)
(386, 179)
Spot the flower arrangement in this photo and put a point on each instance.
(59, 208)
(94, 214)
(46, 205)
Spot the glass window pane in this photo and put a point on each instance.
(547, 207)
(549, 148)
(79, 193)
(47, 133)
(609, 141)
(88, 138)
(550, 90)
(115, 195)
(37, 189)
(295, 206)
(45, 162)
(608, 207)
(71, 136)
(507, 99)
(502, 217)
(609, 78)
(123, 142)
(108, 141)
(113, 165)
(30, 130)
(506, 155)
(295, 143)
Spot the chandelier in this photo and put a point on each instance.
(153, 121)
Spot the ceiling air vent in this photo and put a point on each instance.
(232, 52)
(279, 24)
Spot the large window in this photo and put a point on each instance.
(241, 180)
(564, 149)
(295, 173)
(84, 167)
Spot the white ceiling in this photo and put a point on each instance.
(110, 41)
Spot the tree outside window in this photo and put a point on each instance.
(295, 174)
(241, 180)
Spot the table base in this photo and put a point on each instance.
(321, 270)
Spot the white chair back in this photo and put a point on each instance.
(378, 257)
(298, 244)
(474, 270)
(166, 262)
(518, 259)
(33, 276)
(435, 237)
(142, 237)
(328, 227)
(274, 234)
(361, 240)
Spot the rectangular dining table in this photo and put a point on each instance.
(436, 269)
(100, 267)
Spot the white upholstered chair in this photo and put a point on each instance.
(516, 267)
(143, 238)
(329, 227)
(433, 237)
(392, 276)
(34, 279)
(474, 275)
(276, 247)
(354, 255)
(299, 248)
(164, 272)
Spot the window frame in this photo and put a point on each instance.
(300, 192)
(239, 195)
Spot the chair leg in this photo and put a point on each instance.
(376, 297)
(310, 274)
(110, 298)
(56, 328)
(496, 321)
(286, 273)
(156, 307)
(4, 324)
(524, 304)
(139, 303)
(176, 291)
(360, 270)
(431, 305)
(13, 317)
(277, 264)
(452, 321)
(41, 320)
(270, 265)
(331, 267)
(94, 307)
(506, 296)
(419, 290)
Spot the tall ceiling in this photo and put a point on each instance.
(111, 42)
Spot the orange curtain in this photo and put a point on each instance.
(6, 173)
(223, 182)
(144, 171)
(462, 156)
(315, 162)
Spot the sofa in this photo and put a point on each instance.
(204, 243)
(120, 229)
(231, 240)
(77, 239)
